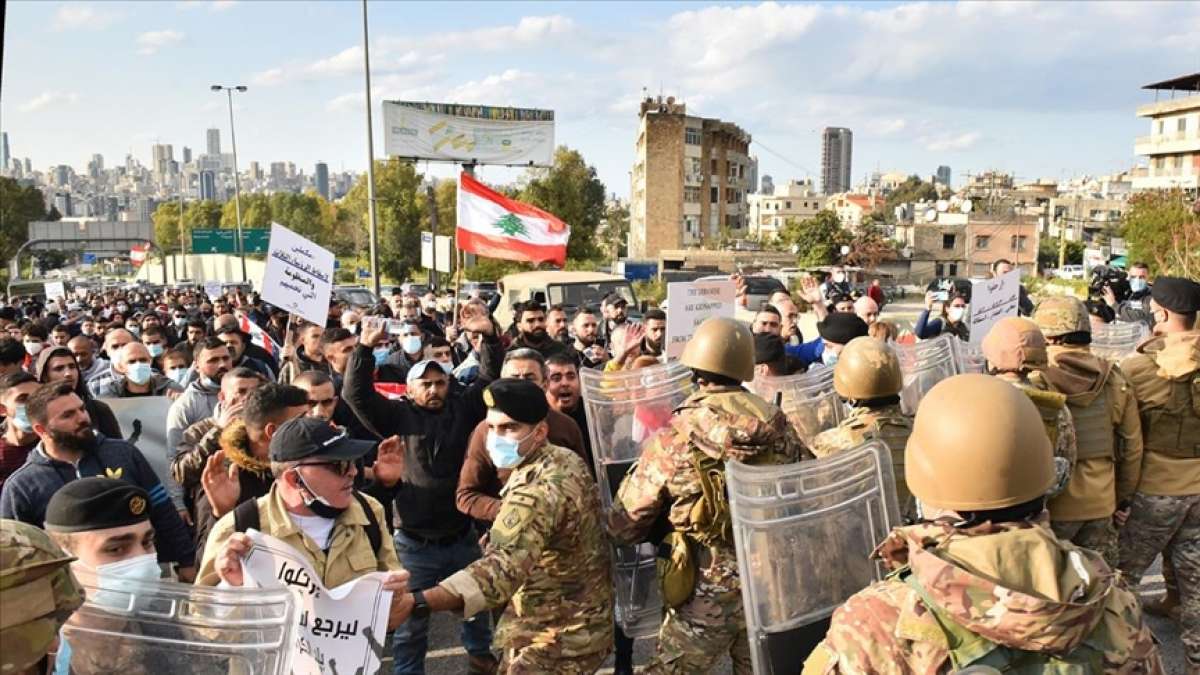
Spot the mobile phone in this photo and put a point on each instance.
(941, 296)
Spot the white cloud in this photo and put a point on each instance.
(346, 61)
(269, 77)
(347, 102)
(951, 142)
(887, 127)
(73, 16)
(152, 41)
(47, 99)
(529, 31)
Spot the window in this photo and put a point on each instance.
(953, 269)
(695, 167)
(691, 195)
(939, 270)
(947, 241)
(981, 242)
(1160, 126)
(1181, 125)
(1158, 163)
(714, 195)
(691, 136)
(1018, 242)
(787, 205)
(713, 166)
(691, 224)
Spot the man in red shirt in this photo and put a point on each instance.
(18, 438)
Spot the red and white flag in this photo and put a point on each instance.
(494, 226)
(257, 335)
(138, 253)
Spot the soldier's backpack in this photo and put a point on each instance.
(1173, 429)
(245, 517)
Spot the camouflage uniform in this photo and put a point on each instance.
(548, 559)
(37, 594)
(1165, 514)
(722, 423)
(886, 423)
(935, 614)
(1060, 427)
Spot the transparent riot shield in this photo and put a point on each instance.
(804, 534)
(1114, 341)
(808, 400)
(624, 410)
(167, 627)
(923, 365)
(967, 358)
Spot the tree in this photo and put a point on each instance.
(205, 214)
(913, 189)
(256, 212)
(166, 226)
(616, 230)
(870, 246)
(817, 240)
(1163, 227)
(1048, 252)
(398, 213)
(571, 191)
(18, 207)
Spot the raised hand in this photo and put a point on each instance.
(229, 559)
(221, 485)
(389, 462)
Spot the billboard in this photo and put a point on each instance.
(468, 133)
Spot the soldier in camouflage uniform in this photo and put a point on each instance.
(547, 555)
(1014, 348)
(1165, 515)
(982, 581)
(37, 596)
(681, 473)
(1107, 428)
(867, 375)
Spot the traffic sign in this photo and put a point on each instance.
(364, 273)
(88, 259)
(221, 240)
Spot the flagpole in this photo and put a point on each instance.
(373, 226)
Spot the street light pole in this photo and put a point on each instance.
(237, 183)
(372, 225)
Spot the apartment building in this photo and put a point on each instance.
(797, 199)
(1173, 145)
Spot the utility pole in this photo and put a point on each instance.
(1062, 242)
(182, 239)
(431, 198)
(372, 224)
(237, 185)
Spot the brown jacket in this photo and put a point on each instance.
(479, 482)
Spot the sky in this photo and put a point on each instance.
(1037, 89)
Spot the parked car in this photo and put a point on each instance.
(484, 289)
(1069, 272)
(573, 290)
(355, 296)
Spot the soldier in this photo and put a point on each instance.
(547, 557)
(981, 584)
(1014, 348)
(1165, 514)
(38, 595)
(1107, 429)
(867, 376)
(681, 473)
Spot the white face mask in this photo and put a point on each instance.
(955, 314)
(34, 348)
(113, 579)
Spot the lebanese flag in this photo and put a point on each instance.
(257, 335)
(137, 254)
(494, 226)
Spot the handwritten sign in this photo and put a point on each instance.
(992, 300)
(342, 630)
(690, 304)
(212, 289)
(55, 290)
(299, 275)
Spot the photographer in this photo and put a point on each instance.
(1135, 307)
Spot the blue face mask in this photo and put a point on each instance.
(113, 579)
(177, 375)
(155, 350)
(828, 357)
(504, 452)
(447, 367)
(21, 419)
(381, 356)
(411, 344)
(1137, 285)
(138, 373)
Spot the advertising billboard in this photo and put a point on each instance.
(468, 134)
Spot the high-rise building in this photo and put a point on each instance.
(28, 166)
(255, 172)
(187, 155)
(62, 202)
(768, 185)
(690, 180)
(163, 155)
(62, 176)
(96, 166)
(1173, 146)
(3, 151)
(943, 175)
(322, 179)
(836, 145)
(214, 141)
(208, 185)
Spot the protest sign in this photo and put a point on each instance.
(299, 275)
(992, 300)
(55, 290)
(690, 303)
(212, 289)
(341, 630)
(141, 419)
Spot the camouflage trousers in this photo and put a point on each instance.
(1098, 535)
(1172, 525)
(531, 661)
(694, 636)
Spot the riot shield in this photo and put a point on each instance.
(923, 365)
(804, 534)
(167, 627)
(968, 359)
(624, 410)
(1114, 341)
(808, 400)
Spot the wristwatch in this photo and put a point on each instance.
(420, 608)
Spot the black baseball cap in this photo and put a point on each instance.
(615, 298)
(314, 438)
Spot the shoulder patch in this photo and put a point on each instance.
(516, 511)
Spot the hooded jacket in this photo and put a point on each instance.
(196, 402)
(254, 476)
(1100, 482)
(102, 417)
(1009, 596)
(1161, 366)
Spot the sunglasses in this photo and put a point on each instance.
(340, 467)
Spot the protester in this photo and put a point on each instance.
(198, 401)
(410, 349)
(834, 332)
(18, 438)
(530, 321)
(769, 357)
(592, 353)
(952, 321)
(564, 394)
(1135, 308)
(134, 376)
(866, 309)
(767, 321)
(90, 365)
(237, 342)
(875, 292)
(307, 354)
(12, 356)
(556, 324)
(59, 363)
(655, 324)
(1024, 304)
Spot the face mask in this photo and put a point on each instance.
(113, 580)
(180, 321)
(504, 451)
(381, 356)
(88, 330)
(447, 367)
(122, 308)
(21, 419)
(155, 350)
(1137, 284)
(34, 348)
(316, 503)
(135, 330)
(411, 344)
(210, 382)
(828, 357)
(955, 314)
(138, 373)
(177, 375)
(839, 277)
(353, 328)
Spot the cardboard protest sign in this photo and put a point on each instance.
(299, 275)
(55, 290)
(212, 289)
(341, 630)
(690, 304)
(992, 300)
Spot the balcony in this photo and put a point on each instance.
(1160, 179)
(1168, 106)
(1170, 143)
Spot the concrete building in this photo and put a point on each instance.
(4, 156)
(187, 155)
(944, 175)
(213, 138)
(769, 212)
(690, 180)
(62, 175)
(989, 239)
(208, 185)
(836, 146)
(767, 187)
(321, 177)
(1173, 146)
(851, 209)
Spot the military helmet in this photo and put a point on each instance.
(37, 592)
(1062, 314)
(721, 346)
(1015, 343)
(977, 444)
(867, 369)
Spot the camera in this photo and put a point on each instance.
(1103, 277)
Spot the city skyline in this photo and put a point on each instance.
(1044, 90)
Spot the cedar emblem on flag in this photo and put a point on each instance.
(492, 225)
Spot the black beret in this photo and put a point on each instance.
(96, 503)
(768, 348)
(1176, 294)
(521, 400)
(841, 327)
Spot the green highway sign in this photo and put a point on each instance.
(209, 240)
